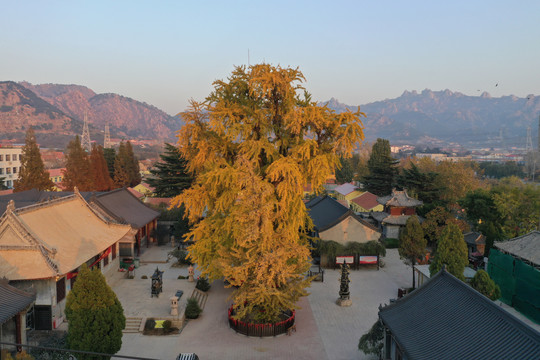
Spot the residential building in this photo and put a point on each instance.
(333, 221)
(446, 319)
(398, 207)
(476, 243)
(347, 192)
(56, 176)
(365, 203)
(44, 244)
(121, 206)
(10, 164)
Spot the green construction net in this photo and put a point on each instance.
(519, 283)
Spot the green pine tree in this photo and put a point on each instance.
(451, 251)
(95, 315)
(382, 169)
(412, 243)
(133, 166)
(482, 283)
(32, 174)
(345, 173)
(77, 173)
(169, 176)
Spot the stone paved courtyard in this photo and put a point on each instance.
(324, 330)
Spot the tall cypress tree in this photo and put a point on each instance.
(95, 315)
(451, 251)
(77, 171)
(110, 156)
(32, 174)
(170, 177)
(382, 169)
(98, 169)
(126, 166)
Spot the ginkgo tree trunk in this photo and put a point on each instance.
(252, 145)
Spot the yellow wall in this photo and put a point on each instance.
(348, 230)
(358, 208)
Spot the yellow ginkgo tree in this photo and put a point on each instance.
(252, 145)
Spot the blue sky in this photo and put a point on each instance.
(166, 52)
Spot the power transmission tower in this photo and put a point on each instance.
(85, 139)
(528, 144)
(107, 141)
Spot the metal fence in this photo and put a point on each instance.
(261, 330)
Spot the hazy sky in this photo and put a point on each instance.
(166, 52)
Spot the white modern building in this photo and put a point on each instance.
(10, 164)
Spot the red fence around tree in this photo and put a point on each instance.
(261, 330)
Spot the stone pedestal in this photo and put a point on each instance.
(174, 306)
(191, 272)
(344, 302)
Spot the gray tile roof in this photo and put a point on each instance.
(125, 208)
(12, 301)
(447, 319)
(474, 238)
(325, 212)
(31, 197)
(526, 247)
(399, 198)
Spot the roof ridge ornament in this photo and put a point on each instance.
(11, 205)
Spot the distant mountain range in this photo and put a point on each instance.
(433, 118)
(446, 117)
(57, 111)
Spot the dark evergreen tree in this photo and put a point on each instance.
(169, 176)
(99, 171)
(95, 315)
(110, 156)
(32, 174)
(422, 185)
(412, 244)
(77, 173)
(382, 169)
(126, 166)
(344, 174)
(451, 251)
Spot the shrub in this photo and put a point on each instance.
(181, 256)
(372, 342)
(167, 324)
(149, 324)
(193, 309)
(203, 284)
(144, 277)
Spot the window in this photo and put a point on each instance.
(106, 259)
(1, 157)
(8, 170)
(8, 183)
(1, 171)
(14, 170)
(8, 158)
(114, 251)
(14, 157)
(60, 289)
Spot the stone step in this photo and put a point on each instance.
(132, 325)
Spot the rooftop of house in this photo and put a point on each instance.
(124, 207)
(34, 196)
(367, 200)
(526, 247)
(474, 238)
(56, 172)
(345, 189)
(325, 211)
(448, 319)
(399, 198)
(12, 301)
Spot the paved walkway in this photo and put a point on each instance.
(324, 330)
